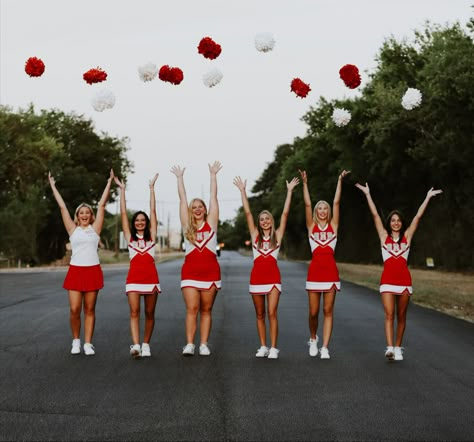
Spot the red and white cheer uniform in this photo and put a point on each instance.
(265, 273)
(323, 275)
(201, 269)
(396, 277)
(142, 276)
(85, 273)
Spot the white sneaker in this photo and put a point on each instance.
(204, 350)
(262, 352)
(76, 347)
(398, 351)
(188, 350)
(146, 351)
(313, 346)
(89, 349)
(273, 353)
(324, 351)
(389, 353)
(135, 350)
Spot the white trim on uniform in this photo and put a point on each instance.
(201, 285)
(263, 289)
(322, 286)
(142, 288)
(396, 289)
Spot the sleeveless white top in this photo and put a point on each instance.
(84, 244)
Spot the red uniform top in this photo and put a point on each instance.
(395, 277)
(201, 269)
(142, 276)
(265, 273)
(322, 272)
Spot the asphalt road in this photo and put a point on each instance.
(48, 394)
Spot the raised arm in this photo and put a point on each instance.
(410, 231)
(373, 210)
(307, 201)
(67, 220)
(213, 213)
(240, 184)
(123, 210)
(183, 201)
(99, 220)
(337, 201)
(286, 208)
(153, 217)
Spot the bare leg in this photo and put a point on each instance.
(402, 308)
(314, 302)
(328, 307)
(150, 304)
(259, 304)
(388, 301)
(75, 309)
(134, 304)
(207, 302)
(90, 299)
(192, 300)
(272, 299)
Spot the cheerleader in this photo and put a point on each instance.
(84, 278)
(323, 277)
(142, 278)
(395, 282)
(265, 280)
(200, 274)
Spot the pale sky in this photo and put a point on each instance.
(240, 121)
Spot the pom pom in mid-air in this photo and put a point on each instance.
(209, 48)
(411, 99)
(103, 99)
(300, 88)
(264, 42)
(95, 75)
(147, 72)
(170, 75)
(341, 117)
(350, 76)
(212, 77)
(34, 67)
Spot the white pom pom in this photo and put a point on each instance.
(341, 117)
(264, 42)
(103, 99)
(411, 99)
(212, 77)
(147, 72)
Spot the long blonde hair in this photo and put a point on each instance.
(273, 240)
(315, 217)
(79, 207)
(192, 227)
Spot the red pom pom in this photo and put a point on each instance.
(350, 75)
(34, 67)
(96, 75)
(176, 76)
(209, 48)
(164, 73)
(171, 75)
(300, 88)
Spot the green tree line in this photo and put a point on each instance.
(31, 144)
(400, 153)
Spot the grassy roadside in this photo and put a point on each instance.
(450, 293)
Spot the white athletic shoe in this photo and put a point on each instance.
(324, 351)
(389, 353)
(89, 349)
(76, 347)
(135, 350)
(398, 351)
(262, 352)
(204, 350)
(188, 350)
(273, 353)
(146, 351)
(313, 346)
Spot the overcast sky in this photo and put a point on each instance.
(241, 120)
